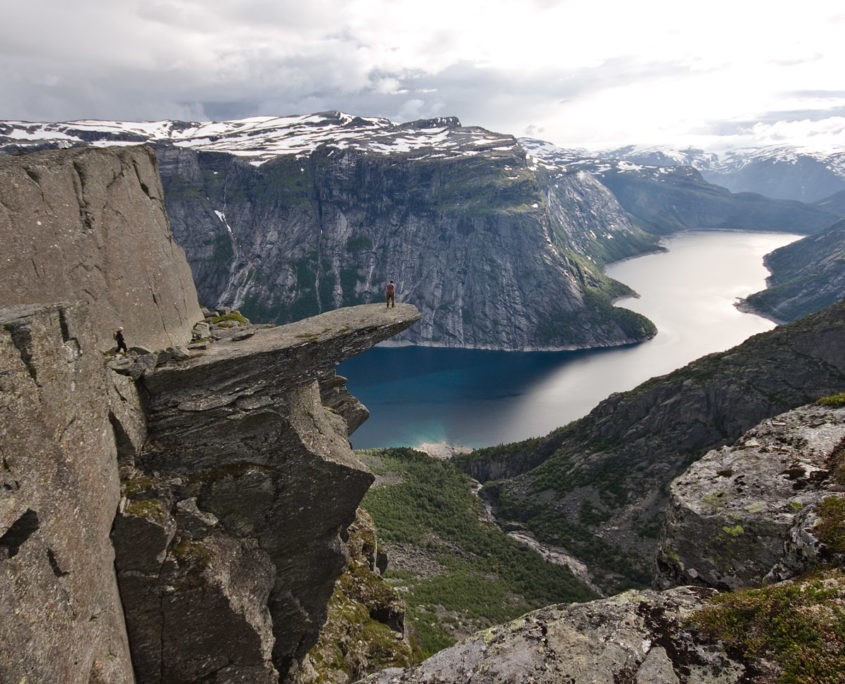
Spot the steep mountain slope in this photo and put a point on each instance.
(781, 172)
(834, 203)
(777, 172)
(598, 486)
(663, 193)
(287, 217)
(807, 276)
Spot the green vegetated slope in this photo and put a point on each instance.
(666, 201)
(598, 486)
(456, 571)
(807, 276)
(799, 626)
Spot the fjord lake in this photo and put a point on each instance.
(474, 398)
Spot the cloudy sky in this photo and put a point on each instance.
(590, 73)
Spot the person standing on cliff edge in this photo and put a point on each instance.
(121, 343)
(390, 291)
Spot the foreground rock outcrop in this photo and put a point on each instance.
(634, 637)
(750, 513)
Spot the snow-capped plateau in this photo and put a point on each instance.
(266, 137)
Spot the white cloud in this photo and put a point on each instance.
(584, 72)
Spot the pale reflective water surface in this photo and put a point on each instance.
(480, 398)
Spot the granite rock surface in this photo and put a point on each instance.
(746, 514)
(89, 225)
(236, 506)
(62, 619)
(638, 637)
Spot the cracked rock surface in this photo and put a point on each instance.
(235, 508)
(61, 618)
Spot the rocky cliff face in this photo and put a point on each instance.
(62, 619)
(288, 217)
(601, 484)
(227, 501)
(751, 513)
(807, 276)
(472, 239)
(222, 475)
(89, 225)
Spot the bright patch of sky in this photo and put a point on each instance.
(588, 73)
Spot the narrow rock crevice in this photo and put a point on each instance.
(22, 339)
(21, 530)
(54, 564)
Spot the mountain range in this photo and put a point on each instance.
(499, 241)
(780, 172)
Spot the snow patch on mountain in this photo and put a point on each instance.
(266, 137)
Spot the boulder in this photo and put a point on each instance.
(747, 514)
(640, 637)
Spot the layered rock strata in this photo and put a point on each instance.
(236, 505)
(634, 637)
(748, 514)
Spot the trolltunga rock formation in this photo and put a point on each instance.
(239, 498)
(183, 524)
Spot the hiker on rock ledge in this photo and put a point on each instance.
(121, 343)
(391, 294)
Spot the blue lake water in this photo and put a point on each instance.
(478, 398)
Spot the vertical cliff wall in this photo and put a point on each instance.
(89, 225)
(61, 617)
(473, 240)
(86, 247)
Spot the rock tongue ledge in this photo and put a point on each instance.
(244, 486)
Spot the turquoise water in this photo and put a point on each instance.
(479, 398)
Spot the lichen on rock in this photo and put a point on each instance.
(752, 512)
